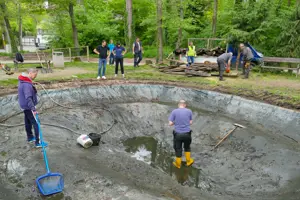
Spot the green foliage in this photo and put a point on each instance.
(272, 26)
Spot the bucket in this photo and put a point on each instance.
(84, 141)
(95, 138)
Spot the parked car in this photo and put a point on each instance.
(43, 46)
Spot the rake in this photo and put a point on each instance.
(228, 134)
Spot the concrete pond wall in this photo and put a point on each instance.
(275, 119)
(259, 162)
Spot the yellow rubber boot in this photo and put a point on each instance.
(177, 162)
(189, 160)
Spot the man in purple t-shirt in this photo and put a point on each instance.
(182, 119)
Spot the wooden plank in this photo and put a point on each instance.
(279, 68)
(281, 60)
(198, 73)
(176, 73)
(231, 74)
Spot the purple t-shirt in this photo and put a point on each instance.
(181, 118)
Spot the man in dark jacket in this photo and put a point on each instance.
(28, 100)
(246, 60)
(137, 52)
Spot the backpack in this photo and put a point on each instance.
(19, 57)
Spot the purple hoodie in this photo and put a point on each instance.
(27, 93)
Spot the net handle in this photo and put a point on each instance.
(36, 117)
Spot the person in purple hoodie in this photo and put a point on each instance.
(28, 100)
(182, 118)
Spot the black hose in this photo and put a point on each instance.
(60, 126)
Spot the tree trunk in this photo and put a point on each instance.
(159, 32)
(13, 44)
(20, 28)
(179, 40)
(289, 3)
(6, 34)
(214, 20)
(74, 28)
(129, 24)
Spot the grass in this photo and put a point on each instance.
(6, 54)
(281, 87)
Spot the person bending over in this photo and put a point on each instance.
(224, 61)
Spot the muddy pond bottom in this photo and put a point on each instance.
(134, 159)
(150, 151)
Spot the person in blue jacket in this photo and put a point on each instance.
(111, 47)
(119, 52)
(27, 95)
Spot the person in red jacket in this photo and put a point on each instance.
(27, 95)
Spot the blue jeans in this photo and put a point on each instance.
(102, 62)
(190, 59)
(111, 59)
(137, 58)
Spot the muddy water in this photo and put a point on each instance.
(150, 151)
(134, 159)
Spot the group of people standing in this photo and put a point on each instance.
(115, 54)
(224, 60)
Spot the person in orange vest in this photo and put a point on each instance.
(191, 53)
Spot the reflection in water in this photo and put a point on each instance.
(148, 150)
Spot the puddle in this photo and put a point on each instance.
(152, 152)
(14, 167)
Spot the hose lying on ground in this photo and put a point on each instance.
(60, 126)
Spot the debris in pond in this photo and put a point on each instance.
(291, 138)
(143, 155)
(3, 153)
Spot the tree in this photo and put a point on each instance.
(61, 8)
(179, 41)
(74, 28)
(10, 34)
(20, 26)
(129, 23)
(159, 31)
(215, 15)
